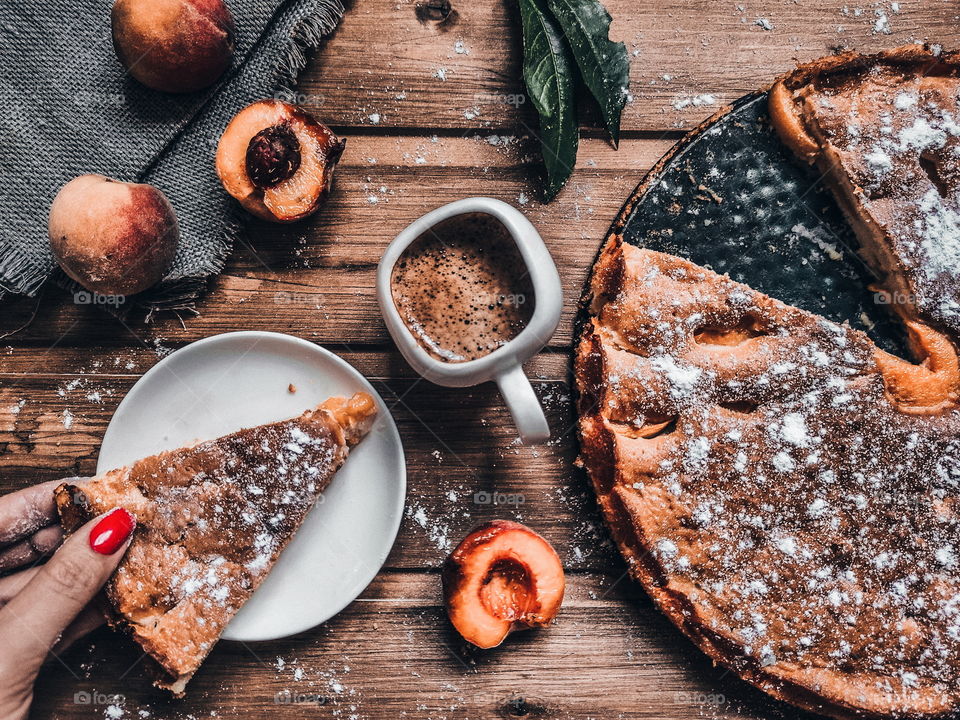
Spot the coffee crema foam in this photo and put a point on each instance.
(462, 288)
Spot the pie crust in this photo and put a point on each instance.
(884, 130)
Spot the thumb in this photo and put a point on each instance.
(33, 621)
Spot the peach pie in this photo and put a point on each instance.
(212, 519)
(787, 492)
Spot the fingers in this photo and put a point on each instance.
(89, 619)
(13, 584)
(24, 512)
(27, 552)
(34, 620)
(29, 530)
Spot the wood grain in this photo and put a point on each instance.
(317, 280)
(415, 141)
(464, 463)
(392, 654)
(680, 50)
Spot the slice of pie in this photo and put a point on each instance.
(885, 131)
(787, 493)
(212, 519)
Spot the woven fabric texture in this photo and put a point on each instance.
(67, 107)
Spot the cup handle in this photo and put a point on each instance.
(524, 405)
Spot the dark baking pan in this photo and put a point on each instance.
(731, 197)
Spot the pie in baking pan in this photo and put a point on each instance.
(787, 492)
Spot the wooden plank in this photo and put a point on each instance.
(316, 279)
(393, 654)
(87, 364)
(383, 67)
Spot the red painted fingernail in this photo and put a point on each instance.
(112, 531)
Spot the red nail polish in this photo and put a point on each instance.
(112, 531)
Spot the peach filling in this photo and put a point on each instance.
(507, 592)
(746, 329)
(929, 387)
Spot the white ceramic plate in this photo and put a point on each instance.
(236, 380)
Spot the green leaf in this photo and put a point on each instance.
(603, 64)
(548, 73)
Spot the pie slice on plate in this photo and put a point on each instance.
(212, 519)
(787, 493)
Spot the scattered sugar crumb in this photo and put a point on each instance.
(160, 349)
(695, 101)
(882, 24)
(437, 532)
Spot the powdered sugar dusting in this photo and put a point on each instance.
(805, 517)
(220, 527)
(897, 133)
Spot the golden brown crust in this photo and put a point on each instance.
(786, 505)
(789, 123)
(212, 519)
(925, 59)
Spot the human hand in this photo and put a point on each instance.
(43, 608)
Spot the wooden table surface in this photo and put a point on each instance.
(433, 112)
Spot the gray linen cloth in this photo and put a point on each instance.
(67, 107)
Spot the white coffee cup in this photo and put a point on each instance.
(503, 365)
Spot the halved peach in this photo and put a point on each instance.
(502, 577)
(277, 160)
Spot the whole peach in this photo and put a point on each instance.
(174, 45)
(112, 237)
